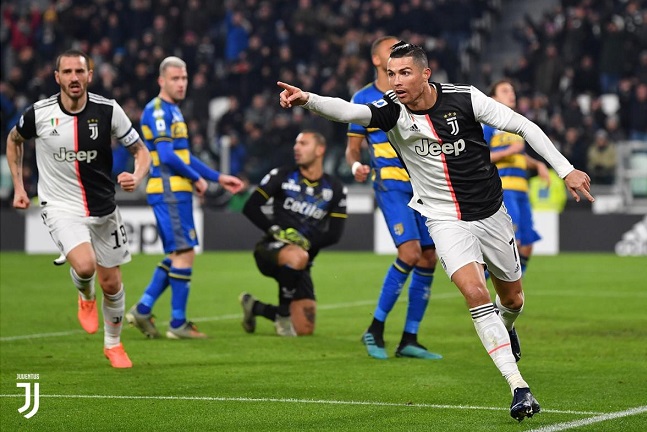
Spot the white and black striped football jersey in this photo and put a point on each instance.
(444, 151)
(73, 152)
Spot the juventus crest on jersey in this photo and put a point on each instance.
(73, 152)
(444, 151)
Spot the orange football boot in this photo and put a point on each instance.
(118, 357)
(88, 315)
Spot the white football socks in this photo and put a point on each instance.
(508, 316)
(496, 341)
(114, 307)
(85, 286)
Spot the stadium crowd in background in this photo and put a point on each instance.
(237, 50)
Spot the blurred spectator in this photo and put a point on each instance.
(601, 159)
(611, 56)
(548, 72)
(575, 148)
(238, 29)
(232, 144)
(586, 79)
(638, 114)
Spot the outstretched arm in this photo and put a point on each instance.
(576, 180)
(334, 109)
(230, 183)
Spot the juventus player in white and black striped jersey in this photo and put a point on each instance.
(436, 130)
(73, 131)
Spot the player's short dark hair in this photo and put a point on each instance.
(405, 49)
(74, 53)
(496, 84)
(319, 138)
(378, 41)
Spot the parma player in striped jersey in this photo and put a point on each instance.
(436, 130)
(174, 175)
(509, 155)
(393, 191)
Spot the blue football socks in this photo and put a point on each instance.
(155, 288)
(180, 279)
(391, 288)
(419, 292)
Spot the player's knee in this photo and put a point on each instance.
(511, 300)
(514, 301)
(110, 283)
(409, 253)
(294, 257)
(428, 258)
(85, 269)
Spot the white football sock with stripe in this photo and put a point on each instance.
(496, 341)
(508, 316)
(114, 307)
(85, 286)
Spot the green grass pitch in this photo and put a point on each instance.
(583, 334)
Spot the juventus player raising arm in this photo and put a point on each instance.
(435, 129)
(73, 131)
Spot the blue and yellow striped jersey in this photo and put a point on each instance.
(388, 171)
(512, 169)
(162, 121)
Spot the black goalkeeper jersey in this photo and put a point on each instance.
(299, 203)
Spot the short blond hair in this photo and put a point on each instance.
(171, 61)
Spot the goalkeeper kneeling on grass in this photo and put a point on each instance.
(309, 211)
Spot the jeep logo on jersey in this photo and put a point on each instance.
(71, 156)
(430, 148)
(94, 129)
(452, 121)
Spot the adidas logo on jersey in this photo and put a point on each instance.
(414, 128)
(54, 133)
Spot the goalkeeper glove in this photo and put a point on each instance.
(290, 236)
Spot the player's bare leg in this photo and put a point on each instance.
(509, 302)
(494, 336)
(303, 313)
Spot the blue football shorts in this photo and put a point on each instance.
(404, 223)
(175, 225)
(519, 209)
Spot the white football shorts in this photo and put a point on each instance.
(487, 241)
(106, 234)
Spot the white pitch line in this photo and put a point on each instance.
(291, 400)
(592, 420)
(219, 318)
(40, 335)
